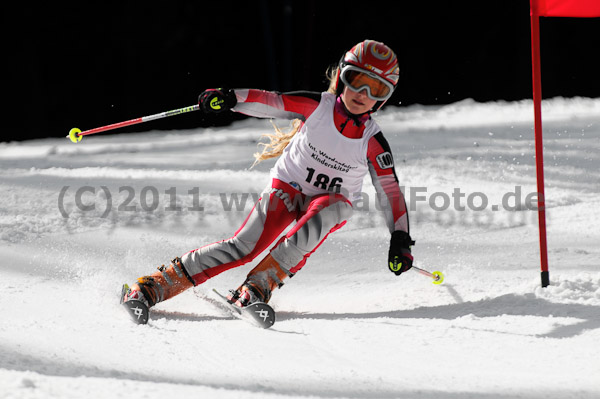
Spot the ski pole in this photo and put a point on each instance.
(437, 277)
(76, 134)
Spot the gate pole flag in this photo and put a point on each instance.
(548, 8)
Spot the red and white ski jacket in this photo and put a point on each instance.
(308, 152)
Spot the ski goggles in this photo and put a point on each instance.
(358, 79)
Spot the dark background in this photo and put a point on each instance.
(90, 65)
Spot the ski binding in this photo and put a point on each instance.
(258, 313)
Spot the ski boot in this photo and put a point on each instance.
(260, 283)
(158, 287)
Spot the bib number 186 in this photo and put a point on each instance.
(323, 181)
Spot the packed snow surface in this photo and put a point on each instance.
(78, 220)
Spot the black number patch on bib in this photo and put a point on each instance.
(324, 182)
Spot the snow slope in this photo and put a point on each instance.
(78, 220)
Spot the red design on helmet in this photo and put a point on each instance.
(374, 57)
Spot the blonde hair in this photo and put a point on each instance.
(280, 139)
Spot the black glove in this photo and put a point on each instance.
(399, 256)
(217, 100)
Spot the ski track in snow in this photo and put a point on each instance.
(78, 220)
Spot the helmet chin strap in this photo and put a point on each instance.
(358, 119)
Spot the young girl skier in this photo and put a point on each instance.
(319, 173)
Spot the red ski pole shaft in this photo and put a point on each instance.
(76, 134)
(437, 277)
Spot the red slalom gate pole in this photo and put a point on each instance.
(539, 145)
(75, 135)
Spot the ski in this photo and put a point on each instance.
(258, 313)
(137, 309)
